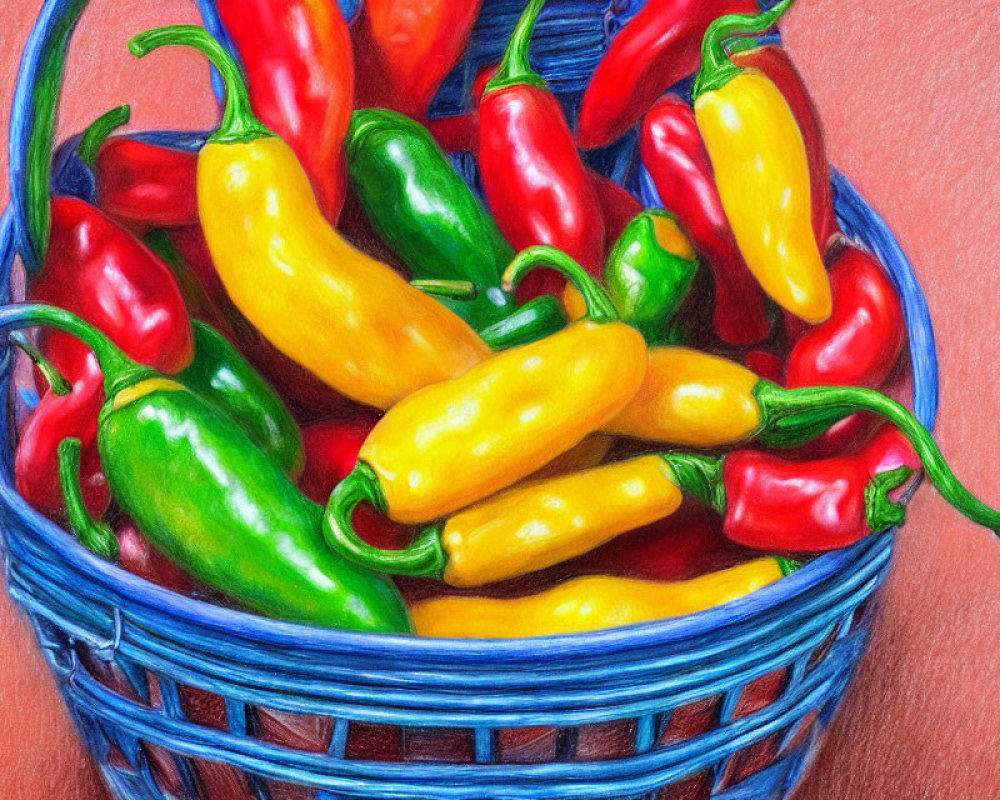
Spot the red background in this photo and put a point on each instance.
(909, 95)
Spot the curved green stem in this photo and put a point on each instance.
(535, 320)
(700, 476)
(239, 123)
(423, 558)
(57, 383)
(99, 131)
(93, 535)
(453, 290)
(119, 370)
(880, 511)
(716, 68)
(599, 305)
(776, 403)
(515, 68)
(787, 565)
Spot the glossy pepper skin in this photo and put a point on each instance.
(533, 178)
(99, 271)
(419, 205)
(331, 450)
(265, 231)
(455, 443)
(591, 603)
(212, 501)
(674, 154)
(300, 69)
(772, 60)
(406, 48)
(220, 375)
(144, 186)
(658, 47)
(649, 272)
(761, 170)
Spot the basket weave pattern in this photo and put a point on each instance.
(178, 698)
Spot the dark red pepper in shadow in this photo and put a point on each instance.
(658, 47)
(300, 72)
(672, 151)
(618, 207)
(331, 450)
(533, 178)
(774, 62)
(859, 345)
(406, 48)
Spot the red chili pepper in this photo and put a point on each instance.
(307, 396)
(767, 365)
(300, 70)
(99, 271)
(770, 503)
(143, 186)
(407, 48)
(459, 133)
(618, 207)
(533, 178)
(857, 346)
(138, 556)
(331, 450)
(774, 62)
(657, 48)
(889, 449)
(672, 151)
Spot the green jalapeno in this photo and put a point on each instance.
(212, 501)
(222, 376)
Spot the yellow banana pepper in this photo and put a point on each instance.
(454, 443)
(591, 603)
(349, 319)
(535, 525)
(589, 453)
(762, 171)
(691, 398)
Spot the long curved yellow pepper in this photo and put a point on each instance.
(762, 171)
(693, 399)
(454, 443)
(534, 525)
(347, 318)
(591, 603)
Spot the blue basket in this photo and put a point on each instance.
(179, 698)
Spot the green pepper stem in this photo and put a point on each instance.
(776, 403)
(93, 535)
(57, 383)
(880, 511)
(716, 68)
(599, 305)
(700, 476)
(423, 558)
(515, 68)
(535, 320)
(119, 370)
(787, 565)
(239, 123)
(100, 129)
(453, 290)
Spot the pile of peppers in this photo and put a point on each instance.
(310, 370)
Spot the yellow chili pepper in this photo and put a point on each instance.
(589, 453)
(537, 524)
(591, 603)
(454, 443)
(691, 398)
(348, 318)
(761, 169)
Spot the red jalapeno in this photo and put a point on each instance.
(534, 180)
(300, 71)
(406, 48)
(773, 61)
(672, 151)
(773, 504)
(658, 47)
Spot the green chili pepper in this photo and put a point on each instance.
(221, 375)
(649, 273)
(212, 501)
(535, 320)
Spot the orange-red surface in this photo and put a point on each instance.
(910, 99)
